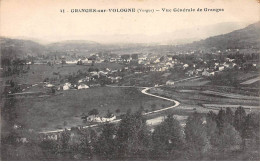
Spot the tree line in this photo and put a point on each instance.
(222, 136)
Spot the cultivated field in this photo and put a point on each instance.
(195, 99)
(251, 81)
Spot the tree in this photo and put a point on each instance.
(80, 62)
(85, 148)
(93, 112)
(117, 111)
(251, 126)
(240, 116)
(133, 138)
(107, 145)
(91, 69)
(212, 115)
(228, 139)
(221, 118)
(141, 108)
(63, 144)
(109, 114)
(211, 127)
(196, 135)
(251, 130)
(49, 148)
(168, 139)
(153, 106)
(229, 116)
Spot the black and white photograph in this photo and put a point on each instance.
(130, 80)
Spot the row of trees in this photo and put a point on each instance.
(13, 66)
(205, 137)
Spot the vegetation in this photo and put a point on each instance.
(49, 113)
(205, 137)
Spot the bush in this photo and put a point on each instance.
(93, 112)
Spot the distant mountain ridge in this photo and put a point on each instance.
(248, 37)
(72, 45)
(18, 48)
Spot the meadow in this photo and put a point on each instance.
(65, 110)
(39, 72)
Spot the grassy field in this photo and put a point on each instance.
(192, 82)
(38, 73)
(51, 112)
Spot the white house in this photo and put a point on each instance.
(66, 86)
(86, 61)
(212, 73)
(221, 68)
(185, 66)
(170, 82)
(156, 60)
(83, 86)
(93, 118)
(205, 73)
(169, 64)
(49, 85)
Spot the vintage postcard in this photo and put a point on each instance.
(130, 80)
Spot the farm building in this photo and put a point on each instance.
(83, 86)
(170, 82)
(93, 118)
(66, 86)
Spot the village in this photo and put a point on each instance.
(82, 100)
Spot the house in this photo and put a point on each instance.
(49, 85)
(226, 65)
(143, 58)
(190, 72)
(126, 58)
(87, 78)
(71, 62)
(199, 70)
(103, 73)
(112, 60)
(22, 140)
(83, 86)
(86, 61)
(185, 66)
(115, 79)
(66, 86)
(205, 73)
(208, 73)
(156, 60)
(170, 82)
(230, 60)
(168, 64)
(80, 81)
(94, 73)
(169, 58)
(212, 73)
(94, 118)
(221, 68)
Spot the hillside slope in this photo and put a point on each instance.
(248, 37)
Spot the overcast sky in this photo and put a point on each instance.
(42, 19)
